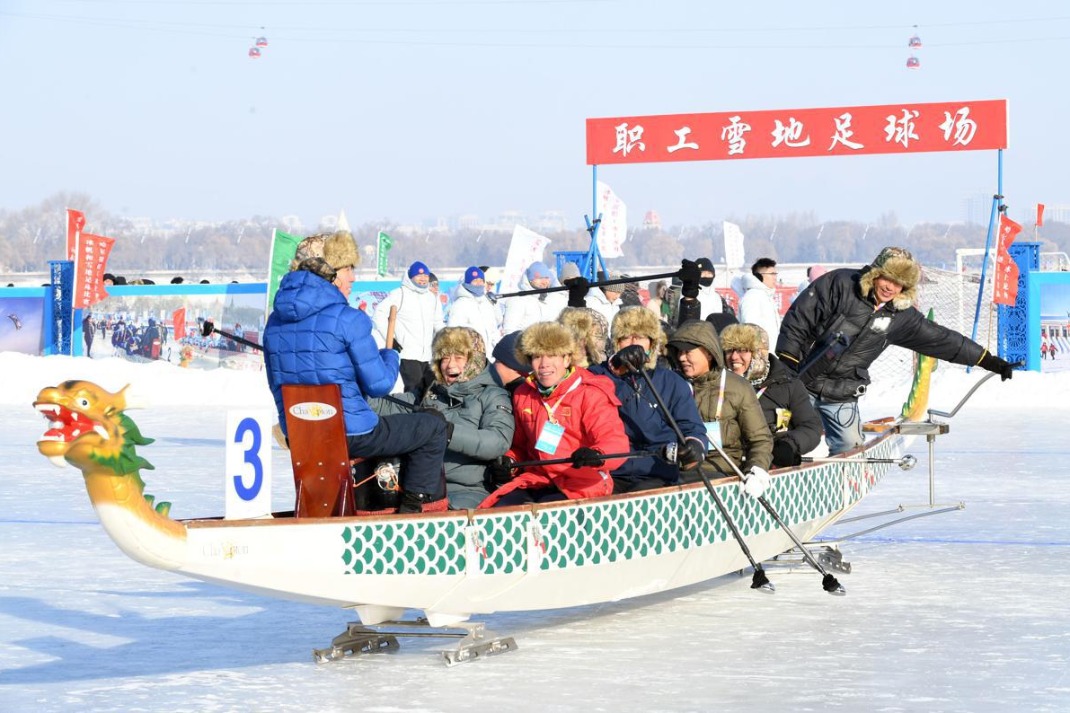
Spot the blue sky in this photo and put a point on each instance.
(407, 110)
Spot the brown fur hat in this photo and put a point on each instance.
(590, 332)
(545, 339)
(340, 250)
(899, 266)
(458, 340)
(641, 321)
(743, 337)
(310, 247)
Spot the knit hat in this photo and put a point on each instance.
(815, 271)
(458, 340)
(641, 321)
(474, 273)
(568, 271)
(418, 268)
(545, 339)
(340, 251)
(505, 352)
(537, 270)
(899, 266)
(706, 265)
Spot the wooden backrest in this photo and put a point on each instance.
(316, 428)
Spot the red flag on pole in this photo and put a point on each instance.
(90, 261)
(1040, 215)
(178, 323)
(1005, 281)
(75, 223)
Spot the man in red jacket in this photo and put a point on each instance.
(561, 411)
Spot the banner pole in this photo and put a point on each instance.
(997, 208)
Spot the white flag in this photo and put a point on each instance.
(526, 247)
(733, 246)
(614, 227)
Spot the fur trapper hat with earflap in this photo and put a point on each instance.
(461, 341)
(340, 251)
(545, 339)
(641, 321)
(591, 331)
(899, 266)
(748, 337)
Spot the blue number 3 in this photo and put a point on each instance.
(252, 457)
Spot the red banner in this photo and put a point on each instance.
(1040, 215)
(178, 323)
(1005, 281)
(75, 223)
(781, 133)
(90, 262)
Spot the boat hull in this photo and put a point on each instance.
(557, 555)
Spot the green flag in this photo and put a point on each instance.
(283, 249)
(382, 250)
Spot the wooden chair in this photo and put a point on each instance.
(315, 424)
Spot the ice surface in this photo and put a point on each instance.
(957, 612)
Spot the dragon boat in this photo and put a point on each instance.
(452, 565)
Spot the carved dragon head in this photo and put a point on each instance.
(88, 429)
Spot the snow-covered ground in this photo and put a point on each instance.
(957, 612)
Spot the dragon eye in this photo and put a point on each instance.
(83, 402)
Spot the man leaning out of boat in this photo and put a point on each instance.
(726, 401)
(478, 413)
(636, 334)
(562, 412)
(313, 336)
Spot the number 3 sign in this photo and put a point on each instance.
(248, 474)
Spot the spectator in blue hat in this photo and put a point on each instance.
(419, 317)
(523, 311)
(471, 308)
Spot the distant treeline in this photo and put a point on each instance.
(30, 237)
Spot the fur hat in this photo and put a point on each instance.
(545, 339)
(310, 247)
(590, 331)
(458, 340)
(340, 251)
(641, 321)
(899, 266)
(743, 337)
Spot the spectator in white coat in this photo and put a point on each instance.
(472, 309)
(708, 297)
(605, 300)
(522, 312)
(758, 304)
(419, 318)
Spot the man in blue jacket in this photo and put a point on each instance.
(313, 336)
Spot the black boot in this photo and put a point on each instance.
(421, 502)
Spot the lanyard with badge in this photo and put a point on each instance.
(551, 432)
(713, 428)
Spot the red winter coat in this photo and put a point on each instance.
(588, 412)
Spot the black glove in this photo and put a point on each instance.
(990, 362)
(687, 454)
(577, 291)
(690, 274)
(499, 472)
(587, 457)
(631, 358)
(441, 416)
(785, 454)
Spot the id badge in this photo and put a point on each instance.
(549, 437)
(713, 432)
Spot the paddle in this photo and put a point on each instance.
(208, 327)
(759, 581)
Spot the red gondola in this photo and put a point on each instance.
(915, 42)
(254, 52)
(913, 63)
(262, 42)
